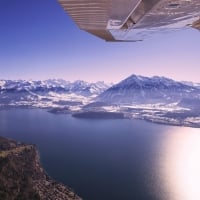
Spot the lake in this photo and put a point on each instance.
(117, 159)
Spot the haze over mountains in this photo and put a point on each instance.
(157, 99)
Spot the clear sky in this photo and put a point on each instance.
(38, 40)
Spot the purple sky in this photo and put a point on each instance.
(39, 41)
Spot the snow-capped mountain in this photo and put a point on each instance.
(48, 92)
(132, 91)
(156, 99)
(140, 90)
(54, 85)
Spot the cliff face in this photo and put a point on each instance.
(22, 177)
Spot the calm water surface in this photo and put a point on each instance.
(112, 159)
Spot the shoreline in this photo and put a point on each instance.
(119, 115)
(23, 176)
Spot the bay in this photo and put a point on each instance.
(117, 159)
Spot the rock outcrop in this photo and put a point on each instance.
(23, 178)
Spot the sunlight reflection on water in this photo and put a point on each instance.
(180, 164)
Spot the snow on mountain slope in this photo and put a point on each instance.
(191, 84)
(140, 89)
(134, 90)
(2, 83)
(48, 93)
(56, 85)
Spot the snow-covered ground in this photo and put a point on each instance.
(156, 99)
(52, 93)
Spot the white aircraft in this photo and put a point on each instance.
(132, 20)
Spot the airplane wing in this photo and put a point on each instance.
(132, 20)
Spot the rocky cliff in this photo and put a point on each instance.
(22, 177)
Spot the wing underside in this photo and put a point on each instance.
(132, 20)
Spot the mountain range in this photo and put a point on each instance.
(133, 90)
(54, 85)
(48, 93)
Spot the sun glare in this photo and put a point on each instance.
(181, 170)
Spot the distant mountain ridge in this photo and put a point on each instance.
(56, 85)
(132, 91)
(48, 93)
(139, 89)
